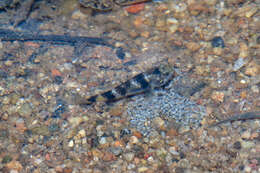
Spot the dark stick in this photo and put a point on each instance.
(244, 116)
(9, 35)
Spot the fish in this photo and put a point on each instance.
(144, 82)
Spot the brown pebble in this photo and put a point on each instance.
(138, 21)
(15, 165)
(217, 96)
(172, 133)
(108, 156)
(116, 110)
(67, 170)
(253, 69)
(193, 46)
(145, 34)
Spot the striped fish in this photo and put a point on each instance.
(144, 82)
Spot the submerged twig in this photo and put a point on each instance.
(9, 35)
(244, 116)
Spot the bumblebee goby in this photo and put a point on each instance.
(153, 78)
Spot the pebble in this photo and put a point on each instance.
(129, 156)
(173, 28)
(71, 143)
(218, 96)
(252, 69)
(159, 122)
(247, 144)
(193, 46)
(136, 8)
(116, 150)
(173, 151)
(75, 121)
(217, 42)
(77, 15)
(25, 110)
(14, 165)
(237, 145)
(116, 110)
(239, 63)
(81, 134)
(102, 140)
(246, 135)
(133, 140)
(41, 130)
(243, 50)
(143, 169)
(6, 159)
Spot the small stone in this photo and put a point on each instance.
(193, 46)
(173, 151)
(159, 122)
(25, 110)
(129, 156)
(134, 140)
(252, 69)
(173, 28)
(217, 42)
(116, 150)
(41, 130)
(20, 125)
(138, 21)
(255, 89)
(237, 145)
(239, 63)
(116, 110)
(247, 168)
(6, 159)
(135, 8)
(71, 143)
(67, 170)
(247, 144)
(143, 169)
(58, 80)
(102, 140)
(81, 134)
(183, 129)
(251, 12)
(8, 63)
(217, 50)
(75, 121)
(243, 50)
(171, 21)
(14, 165)
(160, 23)
(218, 96)
(145, 34)
(172, 132)
(108, 156)
(77, 15)
(246, 135)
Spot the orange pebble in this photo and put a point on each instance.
(55, 72)
(48, 157)
(118, 144)
(136, 8)
(137, 134)
(138, 21)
